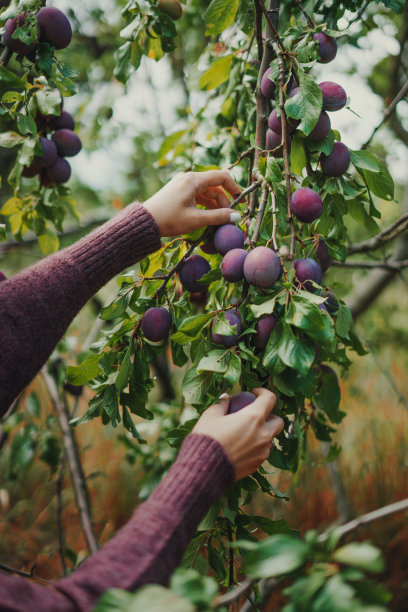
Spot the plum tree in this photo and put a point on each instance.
(322, 127)
(263, 327)
(172, 8)
(228, 237)
(156, 323)
(209, 248)
(191, 271)
(240, 400)
(322, 254)
(327, 47)
(64, 122)
(307, 269)
(337, 162)
(275, 123)
(273, 143)
(262, 267)
(232, 265)
(68, 143)
(59, 172)
(267, 86)
(233, 318)
(306, 204)
(334, 96)
(54, 26)
(14, 44)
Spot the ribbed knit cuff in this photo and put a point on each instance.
(121, 242)
(192, 490)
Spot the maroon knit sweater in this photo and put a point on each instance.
(36, 307)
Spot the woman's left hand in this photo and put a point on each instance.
(174, 206)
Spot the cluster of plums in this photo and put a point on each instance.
(51, 166)
(334, 98)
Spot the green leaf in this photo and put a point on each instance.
(190, 584)
(3, 234)
(110, 404)
(295, 353)
(215, 361)
(273, 171)
(360, 554)
(329, 395)
(220, 15)
(87, 370)
(48, 242)
(150, 598)
(306, 104)
(123, 375)
(276, 556)
(344, 321)
(9, 79)
(265, 308)
(49, 101)
(169, 142)
(271, 527)
(233, 372)
(364, 160)
(380, 183)
(195, 386)
(217, 73)
(210, 277)
(10, 139)
(191, 328)
(26, 124)
(298, 157)
(123, 66)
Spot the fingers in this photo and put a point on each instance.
(275, 425)
(218, 409)
(217, 178)
(265, 401)
(218, 216)
(216, 194)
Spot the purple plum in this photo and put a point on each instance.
(267, 86)
(306, 205)
(13, 43)
(322, 127)
(240, 400)
(156, 323)
(264, 327)
(54, 26)
(307, 270)
(322, 254)
(336, 163)
(273, 143)
(228, 341)
(327, 47)
(275, 123)
(191, 271)
(334, 96)
(68, 143)
(262, 267)
(59, 172)
(232, 265)
(228, 237)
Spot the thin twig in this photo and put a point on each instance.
(386, 235)
(74, 462)
(360, 13)
(274, 219)
(364, 519)
(259, 216)
(12, 570)
(369, 265)
(272, 27)
(309, 20)
(231, 596)
(59, 514)
(388, 112)
(231, 555)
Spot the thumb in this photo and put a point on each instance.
(220, 408)
(219, 216)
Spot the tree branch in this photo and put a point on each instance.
(12, 570)
(369, 265)
(74, 462)
(309, 20)
(364, 519)
(272, 25)
(59, 514)
(259, 216)
(388, 112)
(386, 235)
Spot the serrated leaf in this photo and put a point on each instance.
(298, 157)
(306, 104)
(220, 15)
(9, 79)
(123, 375)
(87, 370)
(380, 183)
(364, 160)
(296, 353)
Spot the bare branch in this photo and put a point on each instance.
(386, 235)
(364, 519)
(369, 265)
(59, 514)
(388, 112)
(12, 570)
(272, 26)
(259, 216)
(74, 462)
(309, 20)
(360, 13)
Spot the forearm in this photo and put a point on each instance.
(38, 304)
(150, 547)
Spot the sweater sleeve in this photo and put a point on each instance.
(149, 547)
(38, 304)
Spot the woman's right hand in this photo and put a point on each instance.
(247, 435)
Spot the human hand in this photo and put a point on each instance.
(246, 436)
(174, 206)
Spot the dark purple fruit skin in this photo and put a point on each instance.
(264, 327)
(334, 96)
(322, 127)
(3, 277)
(232, 266)
(64, 122)
(209, 248)
(240, 400)
(228, 341)
(322, 254)
(337, 162)
(54, 26)
(13, 43)
(275, 123)
(199, 298)
(327, 47)
(273, 143)
(59, 172)
(156, 323)
(49, 155)
(32, 170)
(228, 237)
(332, 303)
(191, 271)
(308, 269)
(294, 91)
(306, 205)
(262, 267)
(322, 307)
(68, 143)
(267, 86)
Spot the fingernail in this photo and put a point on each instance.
(234, 217)
(224, 396)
